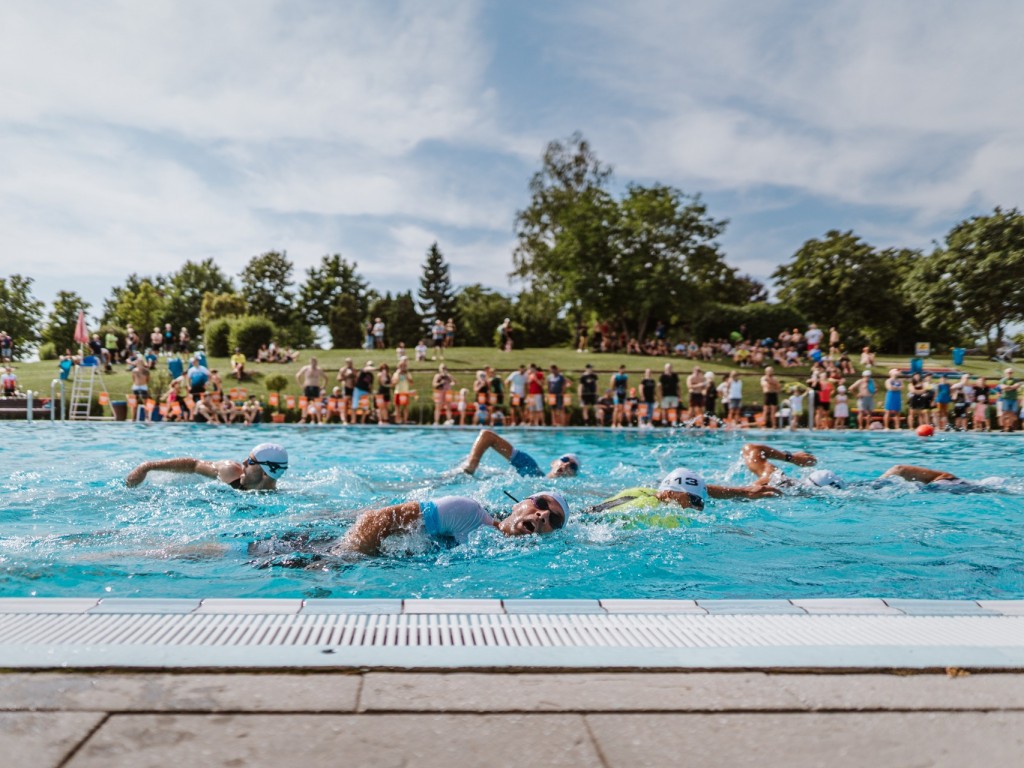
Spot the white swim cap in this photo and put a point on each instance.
(272, 458)
(826, 478)
(686, 481)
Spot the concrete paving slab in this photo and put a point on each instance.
(352, 605)
(477, 692)
(552, 606)
(940, 607)
(797, 740)
(40, 739)
(751, 607)
(847, 606)
(145, 605)
(47, 604)
(241, 692)
(253, 741)
(1004, 607)
(652, 606)
(894, 692)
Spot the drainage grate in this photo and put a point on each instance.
(507, 631)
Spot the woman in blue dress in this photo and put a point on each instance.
(893, 399)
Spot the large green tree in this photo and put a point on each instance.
(144, 309)
(185, 290)
(267, 287)
(131, 286)
(20, 312)
(481, 310)
(334, 277)
(975, 284)
(436, 296)
(62, 320)
(843, 281)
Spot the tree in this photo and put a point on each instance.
(266, 287)
(185, 290)
(131, 286)
(19, 312)
(63, 319)
(144, 309)
(403, 321)
(542, 318)
(977, 280)
(843, 281)
(220, 305)
(481, 310)
(565, 234)
(437, 299)
(345, 323)
(335, 277)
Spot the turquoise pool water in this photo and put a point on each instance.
(69, 526)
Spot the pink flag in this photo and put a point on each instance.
(81, 333)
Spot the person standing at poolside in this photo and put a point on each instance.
(864, 390)
(668, 389)
(497, 395)
(587, 391)
(260, 471)
(619, 385)
(735, 394)
(516, 394)
(770, 388)
(1008, 396)
(140, 385)
(312, 379)
(697, 386)
(535, 396)
(197, 376)
(567, 465)
(363, 392)
(442, 385)
(893, 399)
(557, 383)
(402, 382)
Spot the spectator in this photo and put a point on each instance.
(864, 390)
(619, 385)
(449, 333)
(378, 333)
(156, 340)
(197, 376)
(497, 395)
(400, 351)
(252, 410)
(840, 408)
(587, 391)
(437, 336)
(505, 335)
(421, 351)
(867, 358)
(917, 402)
(710, 396)
(347, 378)
(442, 385)
(402, 382)
(581, 337)
(1008, 397)
(770, 388)
(361, 393)
(312, 378)
(735, 393)
(6, 347)
(893, 399)
(648, 393)
(383, 394)
(557, 383)
(184, 341)
(238, 364)
(535, 396)
(9, 382)
(517, 381)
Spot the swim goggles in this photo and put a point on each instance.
(556, 515)
(568, 460)
(273, 466)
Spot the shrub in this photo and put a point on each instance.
(276, 383)
(48, 351)
(217, 337)
(763, 320)
(248, 333)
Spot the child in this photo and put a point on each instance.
(796, 406)
(461, 405)
(840, 408)
(981, 414)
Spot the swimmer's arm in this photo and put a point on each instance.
(371, 528)
(800, 458)
(918, 474)
(182, 465)
(487, 439)
(756, 491)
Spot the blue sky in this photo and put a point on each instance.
(135, 136)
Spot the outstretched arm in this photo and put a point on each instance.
(373, 526)
(487, 439)
(182, 465)
(755, 491)
(757, 455)
(918, 474)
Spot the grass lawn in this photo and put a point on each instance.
(463, 362)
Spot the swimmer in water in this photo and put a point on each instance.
(567, 465)
(757, 457)
(682, 487)
(260, 471)
(452, 519)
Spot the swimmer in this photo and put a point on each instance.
(920, 474)
(260, 471)
(452, 518)
(757, 456)
(567, 465)
(681, 487)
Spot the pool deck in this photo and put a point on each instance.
(455, 682)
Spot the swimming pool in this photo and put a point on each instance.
(69, 526)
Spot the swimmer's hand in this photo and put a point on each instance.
(802, 459)
(137, 475)
(762, 491)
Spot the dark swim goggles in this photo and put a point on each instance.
(273, 466)
(556, 515)
(696, 502)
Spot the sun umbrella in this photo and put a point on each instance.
(81, 332)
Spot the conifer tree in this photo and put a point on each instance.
(436, 297)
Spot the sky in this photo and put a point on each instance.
(137, 135)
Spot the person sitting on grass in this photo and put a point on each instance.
(238, 364)
(260, 471)
(567, 465)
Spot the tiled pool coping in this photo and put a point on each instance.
(854, 634)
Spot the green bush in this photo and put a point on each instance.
(217, 337)
(48, 351)
(763, 320)
(249, 332)
(276, 383)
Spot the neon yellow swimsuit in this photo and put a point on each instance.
(636, 508)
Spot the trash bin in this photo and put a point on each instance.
(120, 409)
(958, 355)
